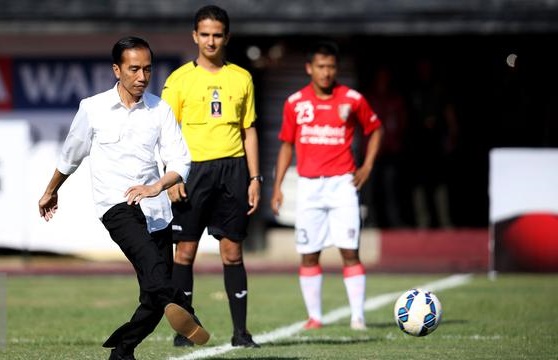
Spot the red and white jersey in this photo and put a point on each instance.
(323, 130)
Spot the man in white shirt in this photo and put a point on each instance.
(120, 130)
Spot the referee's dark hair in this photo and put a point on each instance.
(129, 42)
(212, 12)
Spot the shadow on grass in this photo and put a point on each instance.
(453, 322)
(385, 325)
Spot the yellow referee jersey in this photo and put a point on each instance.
(211, 108)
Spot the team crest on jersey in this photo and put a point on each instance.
(216, 107)
(344, 110)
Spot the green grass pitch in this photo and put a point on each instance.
(69, 317)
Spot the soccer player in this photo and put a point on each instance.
(318, 124)
(119, 130)
(213, 100)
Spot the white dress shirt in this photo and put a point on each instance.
(122, 145)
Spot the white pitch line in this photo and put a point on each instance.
(331, 317)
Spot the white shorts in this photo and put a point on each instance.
(327, 214)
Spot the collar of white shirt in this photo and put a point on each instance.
(147, 101)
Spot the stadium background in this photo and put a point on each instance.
(468, 42)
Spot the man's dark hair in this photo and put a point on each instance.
(328, 48)
(129, 42)
(214, 13)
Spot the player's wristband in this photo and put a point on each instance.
(258, 178)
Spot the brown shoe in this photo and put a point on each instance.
(186, 324)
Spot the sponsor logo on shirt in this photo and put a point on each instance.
(322, 135)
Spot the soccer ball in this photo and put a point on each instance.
(417, 312)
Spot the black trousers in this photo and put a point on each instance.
(152, 258)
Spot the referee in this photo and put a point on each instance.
(213, 100)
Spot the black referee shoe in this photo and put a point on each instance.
(244, 339)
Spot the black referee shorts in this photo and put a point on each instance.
(217, 199)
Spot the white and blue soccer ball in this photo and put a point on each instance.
(418, 312)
